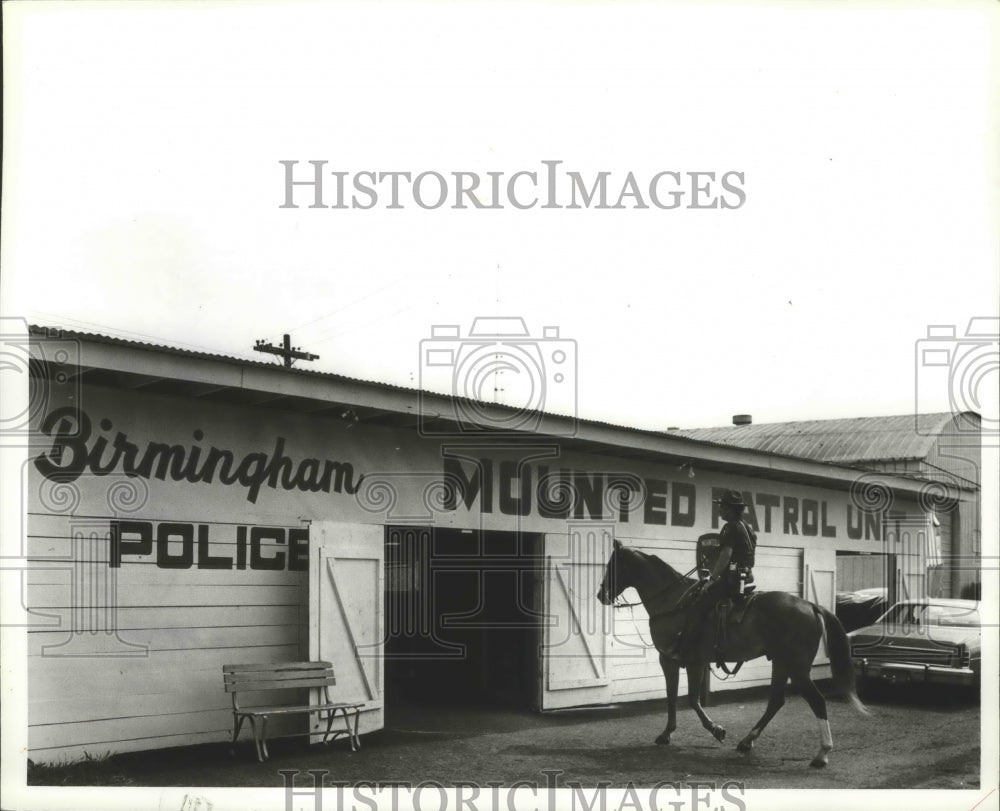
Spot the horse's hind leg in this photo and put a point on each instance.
(696, 675)
(776, 700)
(671, 672)
(804, 684)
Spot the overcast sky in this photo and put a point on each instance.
(142, 190)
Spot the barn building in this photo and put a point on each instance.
(188, 510)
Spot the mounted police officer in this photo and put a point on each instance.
(731, 573)
(737, 544)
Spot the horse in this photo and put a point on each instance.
(776, 624)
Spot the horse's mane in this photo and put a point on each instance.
(660, 567)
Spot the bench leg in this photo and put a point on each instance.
(256, 737)
(352, 730)
(330, 734)
(331, 715)
(263, 738)
(237, 726)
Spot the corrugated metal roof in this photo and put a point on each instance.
(847, 441)
(44, 332)
(271, 365)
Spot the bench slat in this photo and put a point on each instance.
(284, 710)
(272, 684)
(291, 675)
(277, 666)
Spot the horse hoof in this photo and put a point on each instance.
(719, 733)
(744, 746)
(818, 763)
(663, 739)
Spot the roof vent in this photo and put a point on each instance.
(742, 419)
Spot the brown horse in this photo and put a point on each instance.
(785, 628)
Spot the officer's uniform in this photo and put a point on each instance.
(738, 578)
(736, 582)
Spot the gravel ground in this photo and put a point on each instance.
(912, 739)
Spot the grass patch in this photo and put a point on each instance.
(90, 770)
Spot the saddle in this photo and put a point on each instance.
(729, 612)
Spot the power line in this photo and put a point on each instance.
(350, 304)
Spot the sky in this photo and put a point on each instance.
(143, 192)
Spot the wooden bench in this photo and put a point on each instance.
(250, 678)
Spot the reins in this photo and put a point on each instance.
(678, 607)
(673, 610)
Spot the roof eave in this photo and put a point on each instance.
(143, 364)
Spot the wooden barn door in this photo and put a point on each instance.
(346, 598)
(820, 581)
(576, 628)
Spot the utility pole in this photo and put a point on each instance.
(288, 352)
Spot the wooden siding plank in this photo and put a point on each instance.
(212, 616)
(59, 572)
(88, 643)
(170, 595)
(103, 708)
(158, 673)
(106, 735)
(57, 753)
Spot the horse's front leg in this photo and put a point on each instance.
(671, 672)
(696, 674)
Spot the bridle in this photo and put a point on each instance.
(680, 604)
(616, 604)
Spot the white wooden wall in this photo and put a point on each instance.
(157, 682)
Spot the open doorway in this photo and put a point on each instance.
(866, 587)
(460, 624)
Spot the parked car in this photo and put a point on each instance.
(856, 609)
(932, 641)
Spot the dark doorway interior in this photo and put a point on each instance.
(460, 628)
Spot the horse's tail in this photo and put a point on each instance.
(839, 649)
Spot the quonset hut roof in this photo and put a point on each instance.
(846, 441)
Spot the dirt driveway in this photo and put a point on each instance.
(911, 740)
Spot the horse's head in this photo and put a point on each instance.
(620, 573)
